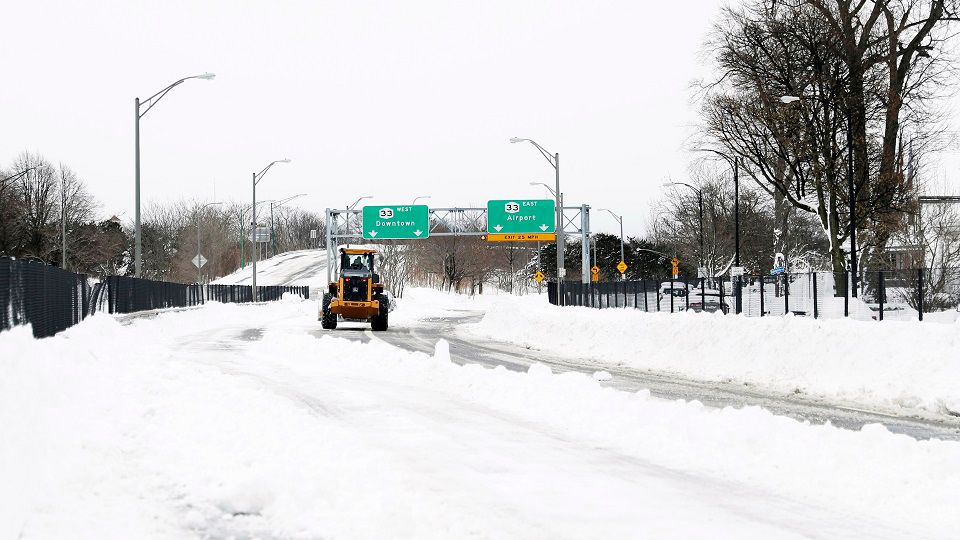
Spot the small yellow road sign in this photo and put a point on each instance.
(595, 270)
(538, 237)
(539, 276)
(621, 267)
(594, 277)
(676, 266)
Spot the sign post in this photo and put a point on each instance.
(407, 222)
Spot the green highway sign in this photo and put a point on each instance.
(396, 222)
(522, 216)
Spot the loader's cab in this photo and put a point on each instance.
(358, 294)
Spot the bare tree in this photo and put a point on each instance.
(863, 68)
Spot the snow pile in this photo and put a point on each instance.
(889, 364)
(239, 421)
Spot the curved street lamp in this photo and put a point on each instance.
(256, 180)
(138, 114)
(418, 197)
(619, 219)
(273, 231)
(700, 201)
(851, 192)
(554, 161)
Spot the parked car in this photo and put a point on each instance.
(709, 302)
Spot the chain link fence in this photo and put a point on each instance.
(51, 299)
(915, 294)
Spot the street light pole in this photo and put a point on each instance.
(137, 115)
(851, 192)
(619, 219)
(273, 230)
(418, 197)
(554, 161)
(256, 179)
(199, 211)
(700, 203)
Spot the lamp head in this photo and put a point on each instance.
(207, 76)
(516, 139)
(789, 99)
(284, 160)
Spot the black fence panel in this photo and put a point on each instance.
(130, 294)
(52, 300)
(911, 294)
(46, 297)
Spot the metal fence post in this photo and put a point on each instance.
(786, 293)
(920, 291)
(721, 297)
(761, 296)
(671, 294)
(814, 274)
(703, 296)
(880, 292)
(846, 293)
(646, 302)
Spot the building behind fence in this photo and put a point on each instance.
(881, 295)
(51, 299)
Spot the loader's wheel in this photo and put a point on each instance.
(379, 321)
(328, 320)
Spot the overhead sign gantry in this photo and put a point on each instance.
(504, 220)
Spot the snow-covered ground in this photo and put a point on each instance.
(304, 267)
(899, 365)
(248, 421)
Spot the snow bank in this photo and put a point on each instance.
(888, 364)
(239, 421)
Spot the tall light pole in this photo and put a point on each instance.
(851, 193)
(273, 232)
(200, 211)
(137, 115)
(256, 180)
(16, 176)
(350, 210)
(620, 221)
(554, 161)
(418, 197)
(700, 201)
(735, 163)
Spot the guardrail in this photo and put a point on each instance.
(51, 299)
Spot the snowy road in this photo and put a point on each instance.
(246, 421)
(467, 349)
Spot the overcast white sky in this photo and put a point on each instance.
(391, 99)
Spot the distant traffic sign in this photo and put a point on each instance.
(621, 267)
(777, 270)
(595, 270)
(736, 271)
(675, 263)
(199, 261)
(540, 237)
(396, 222)
(539, 276)
(261, 235)
(521, 216)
